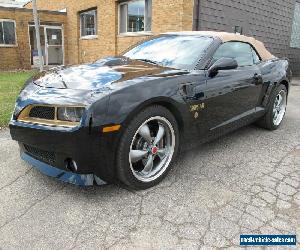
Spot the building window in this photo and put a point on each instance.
(7, 32)
(295, 38)
(88, 23)
(135, 16)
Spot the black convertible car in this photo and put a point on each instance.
(124, 119)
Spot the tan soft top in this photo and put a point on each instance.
(227, 37)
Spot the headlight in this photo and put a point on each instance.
(72, 114)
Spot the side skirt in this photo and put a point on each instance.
(255, 113)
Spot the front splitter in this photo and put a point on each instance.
(65, 176)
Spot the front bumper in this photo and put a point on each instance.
(73, 178)
(48, 148)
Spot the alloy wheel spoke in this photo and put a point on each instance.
(162, 153)
(276, 115)
(145, 133)
(149, 165)
(136, 155)
(160, 134)
(276, 101)
(279, 100)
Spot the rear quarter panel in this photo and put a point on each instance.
(274, 73)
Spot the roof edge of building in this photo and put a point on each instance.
(30, 10)
(29, 1)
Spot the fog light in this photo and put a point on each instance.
(71, 165)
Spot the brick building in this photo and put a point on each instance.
(17, 45)
(102, 35)
(97, 28)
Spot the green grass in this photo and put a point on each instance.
(10, 86)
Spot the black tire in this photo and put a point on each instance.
(267, 120)
(124, 171)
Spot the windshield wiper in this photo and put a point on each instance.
(148, 61)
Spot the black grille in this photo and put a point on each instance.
(39, 154)
(42, 112)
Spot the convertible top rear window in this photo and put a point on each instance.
(174, 51)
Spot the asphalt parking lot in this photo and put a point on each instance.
(246, 182)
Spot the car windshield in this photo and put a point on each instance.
(174, 51)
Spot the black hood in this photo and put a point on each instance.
(101, 74)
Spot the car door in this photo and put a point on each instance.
(233, 94)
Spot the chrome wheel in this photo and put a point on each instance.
(152, 149)
(279, 107)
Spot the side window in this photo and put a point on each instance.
(256, 58)
(241, 52)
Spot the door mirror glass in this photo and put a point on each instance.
(222, 64)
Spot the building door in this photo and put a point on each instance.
(54, 45)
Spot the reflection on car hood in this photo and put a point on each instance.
(100, 74)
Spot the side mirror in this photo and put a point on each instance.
(222, 64)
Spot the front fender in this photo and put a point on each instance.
(132, 98)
